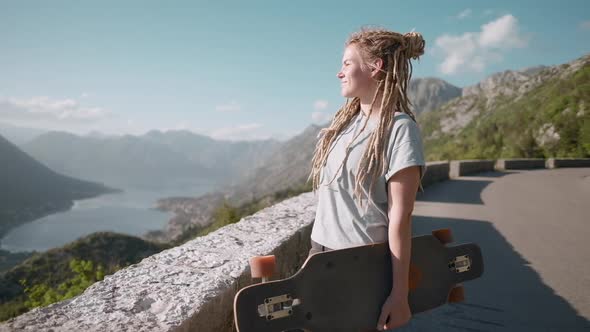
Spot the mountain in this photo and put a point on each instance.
(31, 190)
(234, 160)
(155, 160)
(46, 271)
(19, 135)
(118, 161)
(535, 112)
(288, 167)
(428, 94)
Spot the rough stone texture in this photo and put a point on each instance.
(547, 135)
(186, 288)
(435, 172)
(466, 167)
(572, 162)
(462, 111)
(504, 164)
(429, 93)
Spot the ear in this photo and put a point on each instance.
(376, 67)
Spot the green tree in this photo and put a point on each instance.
(85, 274)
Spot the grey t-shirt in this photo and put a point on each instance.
(340, 222)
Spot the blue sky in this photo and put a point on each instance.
(245, 69)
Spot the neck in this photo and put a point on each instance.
(366, 104)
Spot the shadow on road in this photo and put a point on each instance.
(454, 191)
(510, 296)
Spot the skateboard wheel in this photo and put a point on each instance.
(262, 266)
(457, 294)
(444, 235)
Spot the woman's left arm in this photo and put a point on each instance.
(402, 189)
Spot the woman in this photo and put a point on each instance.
(368, 163)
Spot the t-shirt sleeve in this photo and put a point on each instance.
(405, 147)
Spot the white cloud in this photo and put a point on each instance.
(501, 33)
(585, 25)
(84, 95)
(49, 110)
(464, 14)
(244, 132)
(56, 114)
(320, 105)
(473, 51)
(320, 117)
(229, 107)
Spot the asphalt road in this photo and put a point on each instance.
(534, 231)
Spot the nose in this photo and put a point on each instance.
(340, 75)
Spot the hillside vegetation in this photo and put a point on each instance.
(65, 272)
(551, 120)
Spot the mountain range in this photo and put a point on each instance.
(537, 112)
(31, 190)
(153, 161)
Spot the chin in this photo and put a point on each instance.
(346, 94)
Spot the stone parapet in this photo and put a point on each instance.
(187, 288)
(466, 167)
(436, 171)
(567, 162)
(508, 164)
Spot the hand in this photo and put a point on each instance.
(397, 310)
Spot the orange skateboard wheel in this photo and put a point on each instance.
(444, 235)
(262, 266)
(457, 294)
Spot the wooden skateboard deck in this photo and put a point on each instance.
(345, 289)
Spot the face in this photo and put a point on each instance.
(355, 78)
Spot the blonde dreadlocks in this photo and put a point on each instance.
(395, 50)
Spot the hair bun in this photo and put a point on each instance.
(414, 44)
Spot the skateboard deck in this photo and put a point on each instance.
(345, 289)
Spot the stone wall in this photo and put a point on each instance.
(435, 172)
(466, 167)
(187, 288)
(572, 162)
(507, 164)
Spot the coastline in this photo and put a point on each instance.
(14, 219)
(189, 213)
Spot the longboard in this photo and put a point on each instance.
(345, 289)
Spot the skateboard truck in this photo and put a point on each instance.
(277, 307)
(460, 264)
